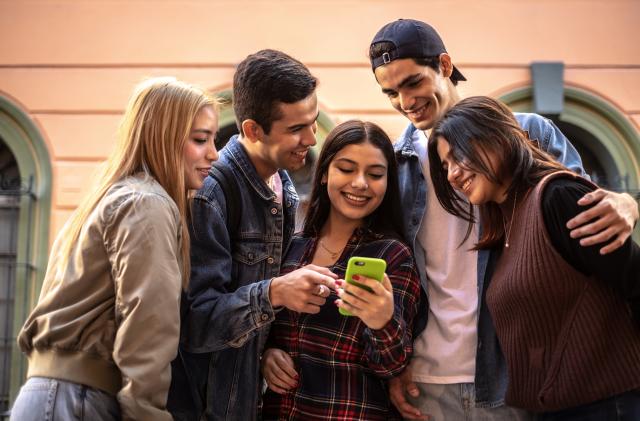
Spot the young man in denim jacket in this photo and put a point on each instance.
(458, 370)
(235, 289)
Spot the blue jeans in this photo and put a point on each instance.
(456, 402)
(623, 407)
(45, 399)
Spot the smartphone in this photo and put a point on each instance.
(366, 266)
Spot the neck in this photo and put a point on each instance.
(339, 229)
(454, 96)
(264, 168)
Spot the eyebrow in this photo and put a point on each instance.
(299, 126)
(205, 131)
(349, 161)
(404, 82)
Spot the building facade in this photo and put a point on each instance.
(67, 68)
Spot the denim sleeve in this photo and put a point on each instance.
(219, 315)
(550, 139)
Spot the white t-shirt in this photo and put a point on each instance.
(445, 352)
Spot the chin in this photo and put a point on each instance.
(423, 124)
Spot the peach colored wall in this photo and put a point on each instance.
(71, 64)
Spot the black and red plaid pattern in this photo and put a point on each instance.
(341, 363)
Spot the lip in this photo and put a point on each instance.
(355, 199)
(418, 113)
(204, 172)
(300, 154)
(465, 185)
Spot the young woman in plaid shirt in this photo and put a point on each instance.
(329, 366)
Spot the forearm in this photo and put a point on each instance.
(218, 320)
(388, 349)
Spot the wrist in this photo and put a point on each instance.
(274, 292)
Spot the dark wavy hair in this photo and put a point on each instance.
(387, 217)
(264, 79)
(476, 128)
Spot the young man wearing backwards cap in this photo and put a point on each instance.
(458, 371)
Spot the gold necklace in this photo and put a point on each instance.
(504, 224)
(332, 254)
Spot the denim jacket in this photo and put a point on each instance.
(491, 372)
(227, 312)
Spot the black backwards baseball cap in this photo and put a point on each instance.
(411, 39)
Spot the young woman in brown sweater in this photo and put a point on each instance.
(567, 317)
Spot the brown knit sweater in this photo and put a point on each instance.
(568, 339)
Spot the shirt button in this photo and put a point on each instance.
(270, 260)
(264, 317)
(274, 211)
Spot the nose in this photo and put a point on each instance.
(212, 152)
(406, 101)
(360, 182)
(453, 172)
(309, 135)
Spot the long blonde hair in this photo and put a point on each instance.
(155, 126)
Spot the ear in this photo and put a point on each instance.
(323, 180)
(252, 131)
(446, 67)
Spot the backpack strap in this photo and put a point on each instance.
(233, 205)
(233, 208)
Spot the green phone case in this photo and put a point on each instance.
(366, 266)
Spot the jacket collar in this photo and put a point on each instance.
(238, 155)
(404, 146)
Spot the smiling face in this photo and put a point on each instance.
(475, 185)
(199, 150)
(291, 136)
(356, 182)
(418, 92)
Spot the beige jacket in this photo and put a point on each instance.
(111, 318)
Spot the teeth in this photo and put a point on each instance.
(466, 184)
(355, 198)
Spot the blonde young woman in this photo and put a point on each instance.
(101, 339)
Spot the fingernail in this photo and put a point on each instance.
(355, 277)
(338, 282)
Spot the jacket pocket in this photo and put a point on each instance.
(249, 262)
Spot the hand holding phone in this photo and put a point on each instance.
(359, 297)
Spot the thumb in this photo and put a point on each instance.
(412, 389)
(386, 283)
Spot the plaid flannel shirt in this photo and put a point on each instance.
(342, 364)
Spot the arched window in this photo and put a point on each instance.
(607, 142)
(25, 204)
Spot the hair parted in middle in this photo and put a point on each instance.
(387, 217)
(264, 79)
(475, 128)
